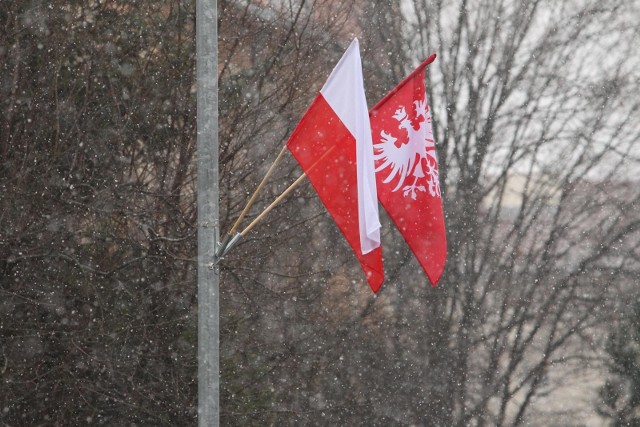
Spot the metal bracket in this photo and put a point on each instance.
(223, 248)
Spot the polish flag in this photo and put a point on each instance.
(407, 170)
(333, 145)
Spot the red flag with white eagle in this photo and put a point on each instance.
(333, 145)
(407, 170)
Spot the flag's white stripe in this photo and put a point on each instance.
(344, 92)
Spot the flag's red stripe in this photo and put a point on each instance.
(334, 176)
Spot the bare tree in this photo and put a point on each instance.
(96, 222)
(536, 128)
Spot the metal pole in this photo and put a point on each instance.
(208, 230)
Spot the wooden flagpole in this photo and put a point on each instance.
(285, 193)
(273, 204)
(254, 196)
(231, 241)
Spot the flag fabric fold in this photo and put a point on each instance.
(333, 145)
(407, 176)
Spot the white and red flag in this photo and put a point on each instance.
(333, 145)
(407, 170)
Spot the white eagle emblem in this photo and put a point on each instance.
(412, 155)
